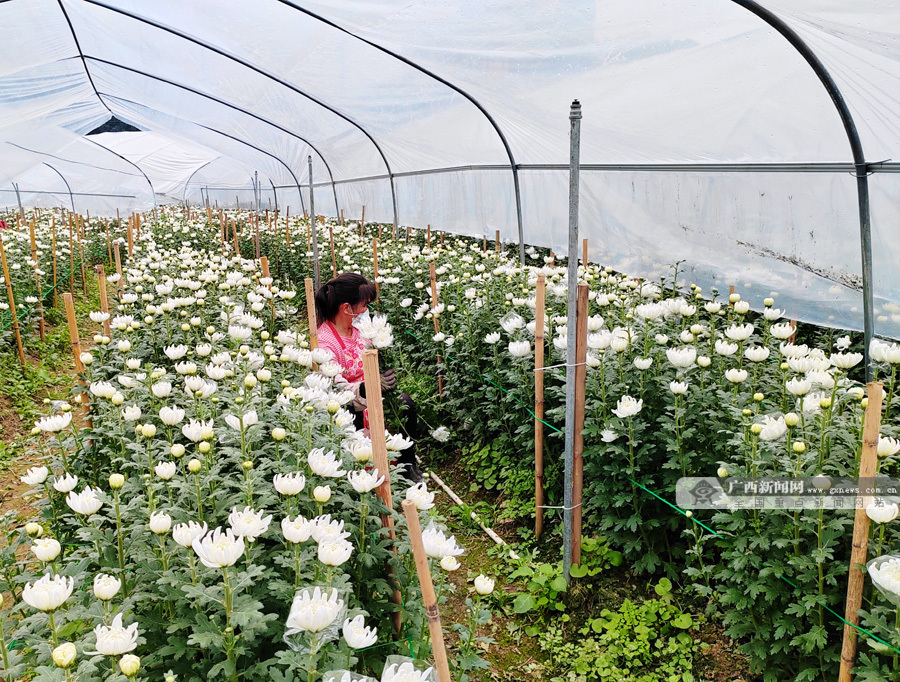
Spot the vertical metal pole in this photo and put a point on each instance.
(574, 168)
(312, 225)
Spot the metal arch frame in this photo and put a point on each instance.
(265, 74)
(219, 132)
(140, 170)
(87, 71)
(275, 194)
(217, 100)
(512, 162)
(191, 177)
(859, 161)
(71, 196)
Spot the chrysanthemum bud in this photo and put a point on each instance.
(195, 465)
(64, 655)
(116, 481)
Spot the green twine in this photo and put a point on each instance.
(679, 510)
(827, 608)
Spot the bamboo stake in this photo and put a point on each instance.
(104, 300)
(437, 326)
(81, 257)
(12, 305)
(342, 217)
(428, 236)
(868, 467)
(37, 282)
(584, 256)
(408, 230)
(331, 241)
(429, 599)
(108, 241)
(311, 314)
(539, 407)
(497, 240)
(76, 352)
(442, 238)
(130, 230)
(71, 258)
(362, 222)
(137, 224)
(375, 411)
(375, 265)
(484, 245)
(53, 247)
(237, 246)
(581, 308)
(256, 233)
(264, 266)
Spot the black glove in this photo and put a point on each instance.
(388, 380)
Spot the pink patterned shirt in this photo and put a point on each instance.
(347, 351)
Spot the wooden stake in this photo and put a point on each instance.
(868, 467)
(497, 240)
(342, 217)
(484, 245)
(408, 230)
(81, 257)
(429, 599)
(108, 241)
(437, 326)
(311, 314)
(131, 237)
(552, 258)
(428, 236)
(12, 305)
(331, 241)
(362, 222)
(375, 411)
(53, 247)
(442, 238)
(73, 331)
(104, 301)
(581, 307)
(539, 407)
(71, 258)
(237, 245)
(37, 282)
(379, 230)
(584, 256)
(375, 265)
(793, 335)
(256, 233)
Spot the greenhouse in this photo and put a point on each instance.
(419, 342)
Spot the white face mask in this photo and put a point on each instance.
(361, 319)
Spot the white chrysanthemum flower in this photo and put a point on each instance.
(363, 481)
(170, 416)
(627, 407)
(219, 549)
(48, 593)
(46, 549)
(437, 545)
(334, 551)
(249, 524)
(888, 446)
(357, 635)
(682, 357)
(115, 640)
(441, 434)
(165, 470)
(243, 422)
(324, 464)
(86, 502)
(185, 533)
(724, 348)
(419, 495)
(405, 672)
(736, 376)
(313, 611)
(54, 423)
(296, 531)
(881, 511)
(492, 338)
(106, 586)
(35, 475)
(396, 442)
(678, 387)
(289, 484)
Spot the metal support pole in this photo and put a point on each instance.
(574, 161)
(19, 199)
(312, 225)
(859, 162)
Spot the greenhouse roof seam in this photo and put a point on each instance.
(219, 101)
(59, 158)
(266, 74)
(513, 167)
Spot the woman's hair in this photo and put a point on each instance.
(348, 287)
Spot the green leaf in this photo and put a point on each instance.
(577, 571)
(559, 584)
(663, 587)
(684, 621)
(523, 603)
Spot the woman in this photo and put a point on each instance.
(340, 303)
